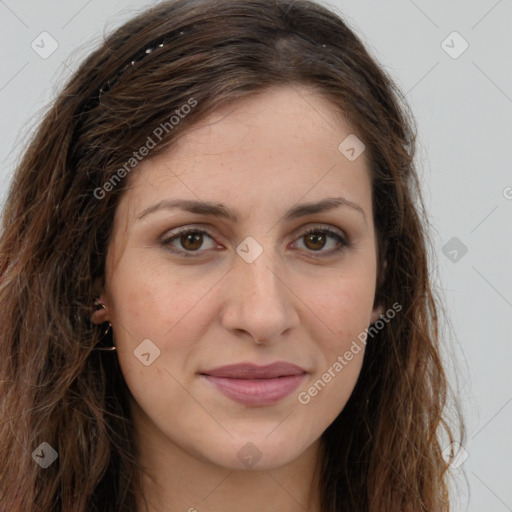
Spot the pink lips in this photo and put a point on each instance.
(250, 384)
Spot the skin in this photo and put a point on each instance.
(259, 157)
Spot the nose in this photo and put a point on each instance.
(259, 304)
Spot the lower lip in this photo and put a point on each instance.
(256, 391)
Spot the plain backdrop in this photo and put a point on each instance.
(453, 61)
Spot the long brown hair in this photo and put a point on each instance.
(383, 452)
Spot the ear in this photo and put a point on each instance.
(100, 313)
(377, 311)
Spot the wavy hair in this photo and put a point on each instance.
(383, 452)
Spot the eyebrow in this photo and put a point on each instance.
(221, 211)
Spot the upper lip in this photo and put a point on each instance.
(253, 371)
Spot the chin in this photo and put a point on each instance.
(257, 452)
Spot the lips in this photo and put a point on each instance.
(254, 385)
(252, 371)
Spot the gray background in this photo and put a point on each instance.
(463, 107)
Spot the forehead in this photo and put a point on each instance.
(279, 145)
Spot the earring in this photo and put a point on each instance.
(113, 347)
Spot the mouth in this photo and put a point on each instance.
(254, 385)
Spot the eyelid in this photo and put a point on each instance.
(336, 233)
(319, 226)
(174, 234)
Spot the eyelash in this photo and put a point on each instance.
(166, 242)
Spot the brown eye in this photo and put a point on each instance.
(315, 241)
(324, 241)
(188, 241)
(191, 241)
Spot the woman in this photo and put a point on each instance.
(214, 278)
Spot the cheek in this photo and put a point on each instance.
(339, 314)
(149, 302)
(340, 348)
(339, 309)
(342, 305)
(153, 298)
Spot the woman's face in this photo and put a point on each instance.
(256, 281)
